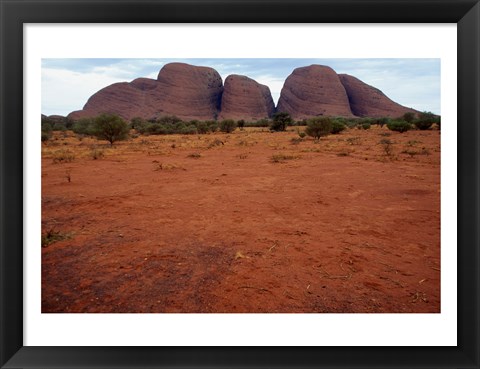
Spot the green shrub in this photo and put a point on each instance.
(399, 126)
(408, 117)
(423, 125)
(241, 124)
(318, 127)
(381, 121)
(59, 127)
(366, 125)
(212, 125)
(188, 130)
(425, 120)
(228, 125)
(202, 127)
(137, 123)
(84, 127)
(168, 119)
(259, 123)
(46, 127)
(337, 127)
(46, 136)
(110, 127)
(280, 121)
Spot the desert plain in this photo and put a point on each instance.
(246, 222)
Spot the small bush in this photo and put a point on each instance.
(423, 125)
(228, 125)
(408, 117)
(63, 156)
(366, 125)
(380, 121)
(354, 140)
(202, 128)
(241, 124)
(46, 136)
(52, 236)
(399, 126)
(212, 125)
(84, 127)
(96, 154)
(216, 142)
(302, 134)
(110, 127)
(194, 155)
(137, 123)
(318, 127)
(387, 146)
(280, 122)
(280, 158)
(337, 127)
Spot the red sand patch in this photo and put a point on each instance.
(335, 226)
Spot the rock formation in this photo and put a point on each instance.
(189, 92)
(368, 101)
(244, 98)
(192, 92)
(186, 91)
(314, 91)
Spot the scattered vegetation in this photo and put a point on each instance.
(110, 127)
(194, 155)
(215, 142)
(426, 120)
(296, 140)
(399, 126)
(408, 117)
(228, 125)
(96, 154)
(337, 127)
(387, 147)
(52, 236)
(280, 158)
(63, 156)
(161, 166)
(280, 122)
(318, 127)
(354, 140)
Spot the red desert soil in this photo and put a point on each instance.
(257, 224)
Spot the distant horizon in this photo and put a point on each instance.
(68, 83)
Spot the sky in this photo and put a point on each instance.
(68, 83)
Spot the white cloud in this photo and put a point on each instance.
(64, 91)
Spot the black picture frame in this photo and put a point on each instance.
(15, 13)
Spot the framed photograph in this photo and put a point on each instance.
(236, 184)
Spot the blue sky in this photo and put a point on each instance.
(68, 83)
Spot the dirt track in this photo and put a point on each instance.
(257, 224)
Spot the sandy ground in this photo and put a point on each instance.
(255, 224)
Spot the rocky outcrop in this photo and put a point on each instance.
(184, 90)
(188, 92)
(244, 98)
(192, 92)
(315, 90)
(368, 101)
